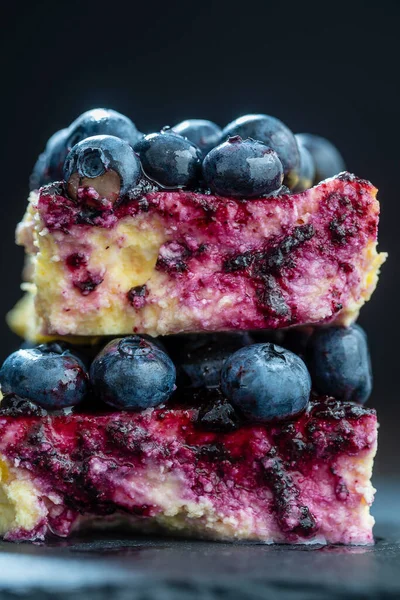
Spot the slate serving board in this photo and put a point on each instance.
(122, 568)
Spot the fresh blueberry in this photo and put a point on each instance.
(242, 169)
(199, 358)
(102, 121)
(83, 352)
(266, 382)
(327, 159)
(99, 121)
(273, 133)
(132, 373)
(339, 363)
(306, 171)
(205, 134)
(49, 165)
(104, 163)
(169, 159)
(38, 176)
(47, 375)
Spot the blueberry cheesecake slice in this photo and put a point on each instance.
(160, 239)
(239, 451)
(191, 362)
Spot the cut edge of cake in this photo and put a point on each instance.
(324, 500)
(57, 303)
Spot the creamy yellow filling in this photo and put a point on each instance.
(20, 503)
(125, 257)
(23, 506)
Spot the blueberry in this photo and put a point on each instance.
(266, 382)
(242, 169)
(273, 133)
(169, 160)
(306, 171)
(132, 373)
(205, 134)
(49, 165)
(339, 363)
(82, 352)
(38, 176)
(327, 159)
(199, 358)
(105, 163)
(99, 121)
(102, 121)
(47, 375)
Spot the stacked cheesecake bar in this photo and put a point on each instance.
(191, 364)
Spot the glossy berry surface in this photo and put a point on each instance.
(199, 358)
(132, 373)
(81, 352)
(266, 382)
(205, 134)
(104, 162)
(49, 165)
(242, 169)
(273, 133)
(102, 121)
(339, 363)
(47, 375)
(327, 159)
(169, 159)
(306, 171)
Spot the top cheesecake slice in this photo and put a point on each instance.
(164, 262)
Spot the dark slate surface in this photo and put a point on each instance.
(161, 569)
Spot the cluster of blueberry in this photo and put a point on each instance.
(262, 381)
(251, 157)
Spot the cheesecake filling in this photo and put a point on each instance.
(170, 262)
(306, 480)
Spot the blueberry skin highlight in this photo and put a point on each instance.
(132, 373)
(102, 121)
(327, 159)
(242, 169)
(205, 134)
(53, 379)
(62, 347)
(266, 382)
(273, 133)
(340, 364)
(95, 156)
(169, 159)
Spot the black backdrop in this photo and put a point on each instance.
(328, 68)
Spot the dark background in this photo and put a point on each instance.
(327, 68)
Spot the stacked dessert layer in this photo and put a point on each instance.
(160, 470)
(247, 256)
(181, 261)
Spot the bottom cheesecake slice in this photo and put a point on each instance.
(303, 481)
